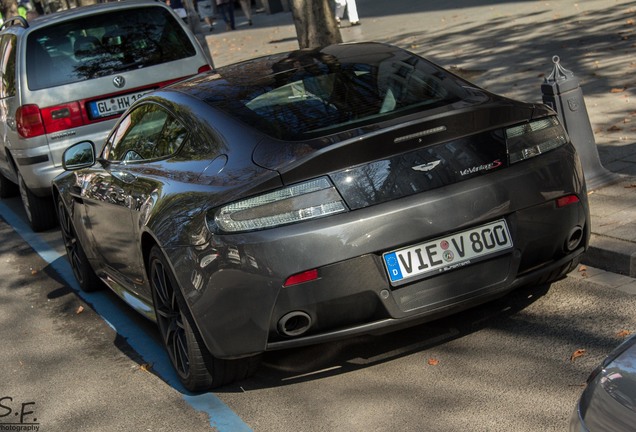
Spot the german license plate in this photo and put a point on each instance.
(448, 253)
(114, 105)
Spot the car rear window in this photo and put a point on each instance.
(314, 93)
(104, 44)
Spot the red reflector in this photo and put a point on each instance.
(302, 277)
(567, 200)
(205, 68)
(62, 117)
(29, 121)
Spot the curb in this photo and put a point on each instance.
(611, 254)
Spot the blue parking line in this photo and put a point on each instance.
(222, 418)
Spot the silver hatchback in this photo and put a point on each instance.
(67, 77)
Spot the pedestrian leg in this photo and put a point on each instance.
(352, 12)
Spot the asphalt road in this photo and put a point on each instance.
(73, 362)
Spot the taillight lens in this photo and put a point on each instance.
(534, 138)
(300, 202)
(29, 121)
(62, 117)
(205, 68)
(33, 121)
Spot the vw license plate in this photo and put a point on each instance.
(113, 105)
(448, 253)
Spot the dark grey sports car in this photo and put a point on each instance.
(313, 195)
(608, 403)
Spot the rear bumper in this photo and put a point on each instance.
(234, 284)
(432, 311)
(40, 164)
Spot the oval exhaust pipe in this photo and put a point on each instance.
(574, 239)
(294, 323)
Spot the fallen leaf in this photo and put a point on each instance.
(617, 90)
(582, 268)
(34, 272)
(79, 310)
(629, 22)
(576, 354)
(633, 185)
(433, 362)
(146, 367)
(623, 333)
(614, 129)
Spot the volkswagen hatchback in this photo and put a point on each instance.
(69, 75)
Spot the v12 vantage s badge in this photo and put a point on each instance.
(479, 168)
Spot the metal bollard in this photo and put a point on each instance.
(562, 92)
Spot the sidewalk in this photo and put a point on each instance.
(507, 48)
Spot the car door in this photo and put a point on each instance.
(114, 196)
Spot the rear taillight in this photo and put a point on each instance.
(29, 121)
(62, 117)
(296, 203)
(33, 121)
(205, 68)
(534, 138)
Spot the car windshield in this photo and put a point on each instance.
(102, 45)
(312, 93)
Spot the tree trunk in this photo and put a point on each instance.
(315, 23)
(9, 8)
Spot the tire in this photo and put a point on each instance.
(84, 273)
(197, 369)
(39, 211)
(8, 189)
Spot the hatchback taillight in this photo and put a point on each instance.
(33, 121)
(62, 117)
(29, 121)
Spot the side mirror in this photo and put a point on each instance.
(78, 156)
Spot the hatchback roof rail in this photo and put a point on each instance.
(16, 20)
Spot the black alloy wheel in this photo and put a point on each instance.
(84, 273)
(188, 356)
(196, 367)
